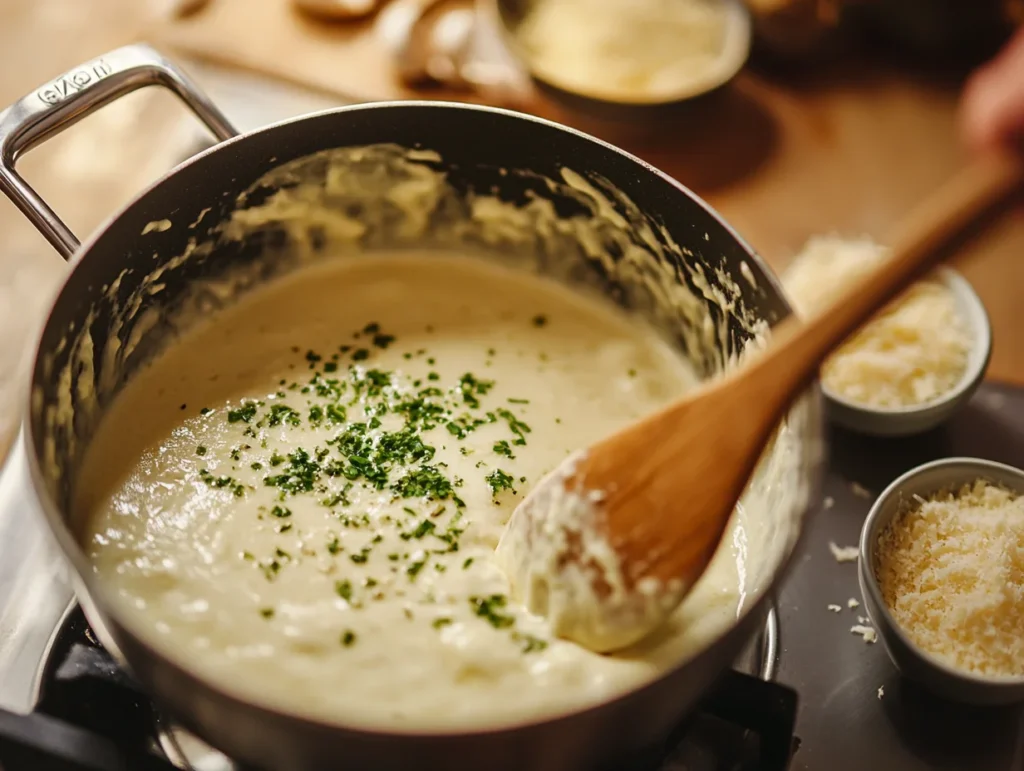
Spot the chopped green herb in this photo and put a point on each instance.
(425, 527)
(498, 480)
(540, 320)
(243, 414)
(336, 413)
(344, 589)
(267, 612)
(414, 569)
(425, 481)
(298, 476)
(467, 563)
(489, 609)
(200, 450)
(471, 388)
(515, 425)
(360, 354)
(439, 623)
(282, 413)
(237, 488)
(503, 448)
(348, 638)
(530, 643)
(280, 512)
(334, 545)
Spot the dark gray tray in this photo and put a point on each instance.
(842, 722)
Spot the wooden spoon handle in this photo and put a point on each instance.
(923, 239)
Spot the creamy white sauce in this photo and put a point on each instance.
(272, 606)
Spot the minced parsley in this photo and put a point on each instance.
(245, 413)
(344, 589)
(490, 609)
(498, 480)
(380, 431)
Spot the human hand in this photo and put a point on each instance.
(992, 105)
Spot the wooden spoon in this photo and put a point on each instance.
(608, 544)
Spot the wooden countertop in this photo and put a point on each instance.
(842, 149)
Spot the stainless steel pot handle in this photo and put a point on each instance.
(66, 100)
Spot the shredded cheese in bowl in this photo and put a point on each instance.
(951, 571)
(910, 354)
(627, 50)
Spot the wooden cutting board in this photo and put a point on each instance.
(269, 37)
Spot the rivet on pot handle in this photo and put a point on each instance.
(66, 100)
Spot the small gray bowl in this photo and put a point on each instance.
(508, 16)
(916, 664)
(905, 421)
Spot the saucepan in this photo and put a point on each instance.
(117, 310)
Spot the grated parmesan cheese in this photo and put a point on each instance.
(860, 490)
(630, 50)
(834, 608)
(911, 353)
(852, 603)
(951, 570)
(866, 632)
(843, 553)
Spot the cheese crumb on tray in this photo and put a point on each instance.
(951, 571)
(843, 553)
(911, 353)
(866, 632)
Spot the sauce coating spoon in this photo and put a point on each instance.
(608, 544)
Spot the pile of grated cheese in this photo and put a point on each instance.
(911, 353)
(625, 49)
(951, 570)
